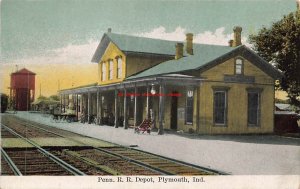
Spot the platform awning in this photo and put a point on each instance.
(168, 79)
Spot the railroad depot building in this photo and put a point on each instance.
(206, 89)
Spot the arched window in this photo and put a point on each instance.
(119, 70)
(239, 66)
(111, 68)
(103, 71)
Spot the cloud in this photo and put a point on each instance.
(75, 54)
(161, 33)
(82, 53)
(217, 37)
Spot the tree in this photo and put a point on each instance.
(280, 44)
(42, 98)
(54, 97)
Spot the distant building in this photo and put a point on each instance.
(283, 107)
(207, 89)
(22, 89)
(286, 119)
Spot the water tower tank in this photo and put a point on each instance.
(22, 89)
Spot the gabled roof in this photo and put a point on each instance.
(132, 44)
(202, 55)
(24, 71)
(205, 57)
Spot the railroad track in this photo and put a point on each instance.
(29, 162)
(25, 130)
(6, 134)
(8, 167)
(111, 164)
(36, 161)
(170, 166)
(137, 161)
(33, 162)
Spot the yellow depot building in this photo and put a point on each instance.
(197, 88)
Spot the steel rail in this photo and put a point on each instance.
(57, 160)
(200, 168)
(11, 164)
(139, 163)
(197, 167)
(161, 171)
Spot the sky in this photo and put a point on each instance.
(56, 39)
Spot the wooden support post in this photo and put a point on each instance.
(116, 109)
(100, 109)
(161, 109)
(135, 107)
(89, 106)
(61, 103)
(97, 107)
(153, 116)
(147, 103)
(81, 105)
(125, 123)
(77, 106)
(64, 103)
(75, 100)
(68, 100)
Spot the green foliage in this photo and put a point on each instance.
(51, 98)
(280, 44)
(42, 98)
(54, 97)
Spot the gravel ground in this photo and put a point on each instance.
(234, 154)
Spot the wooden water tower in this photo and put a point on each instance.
(22, 89)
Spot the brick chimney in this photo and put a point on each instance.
(189, 43)
(237, 36)
(179, 51)
(230, 43)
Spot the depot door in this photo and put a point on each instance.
(174, 100)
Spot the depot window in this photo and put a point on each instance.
(254, 101)
(220, 105)
(189, 106)
(111, 68)
(239, 69)
(103, 71)
(119, 70)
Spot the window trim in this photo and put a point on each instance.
(110, 69)
(102, 71)
(224, 89)
(259, 92)
(242, 68)
(119, 74)
(186, 99)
